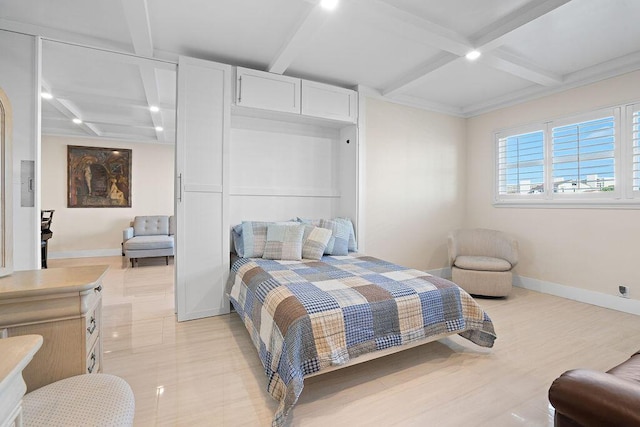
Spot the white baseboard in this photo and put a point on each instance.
(84, 254)
(627, 305)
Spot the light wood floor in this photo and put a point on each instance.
(207, 373)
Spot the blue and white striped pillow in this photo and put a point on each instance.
(339, 242)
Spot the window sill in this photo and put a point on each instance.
(569, 204)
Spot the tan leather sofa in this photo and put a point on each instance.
(586, 398)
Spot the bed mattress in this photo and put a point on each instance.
(305, 316)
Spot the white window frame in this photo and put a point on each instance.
(628, 149)
(623, 195)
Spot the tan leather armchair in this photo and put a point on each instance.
(481, 261)
(587, 398)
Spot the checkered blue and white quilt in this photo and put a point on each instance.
(306, 315)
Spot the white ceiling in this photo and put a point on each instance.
(409, 51)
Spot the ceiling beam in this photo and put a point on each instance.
(112, 101)
(421, 71)
(137, 17)
(486, 41)
(518, 67)
(298, 39)
(70, 111)
(493, 35)
(406, 25)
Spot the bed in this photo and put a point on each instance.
(310, 316)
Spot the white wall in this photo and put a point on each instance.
(588, 249)
(281, 170)
(415, 183)
(98, 231)
(18, 80)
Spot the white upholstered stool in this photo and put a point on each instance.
(83, 400)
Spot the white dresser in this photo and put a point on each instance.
(64, 306)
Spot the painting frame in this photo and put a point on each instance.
(98, 177)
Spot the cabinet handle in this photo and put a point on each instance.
(239, 89)
(92, 325)
(93, 363)
(180, 187)
(98, 288)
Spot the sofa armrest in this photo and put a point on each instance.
(592, 398)
(127, 234)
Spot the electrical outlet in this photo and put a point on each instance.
(624, 291)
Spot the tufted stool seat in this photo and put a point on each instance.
(83, 400)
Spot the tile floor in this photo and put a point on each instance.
(207, 373)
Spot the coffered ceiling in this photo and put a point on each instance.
(408, 51)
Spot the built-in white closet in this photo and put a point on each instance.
(278, 149)
(202, 249)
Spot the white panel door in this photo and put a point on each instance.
(202, 244)
(259, 89)
(329, 102)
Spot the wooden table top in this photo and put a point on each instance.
(51, 281)
(16, 353)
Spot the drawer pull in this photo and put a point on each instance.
(93, 363)
(92, 325)
(98, 289)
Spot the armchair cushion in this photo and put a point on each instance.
(151, 225)
(483, 242)
(149, 242)
(484, 263)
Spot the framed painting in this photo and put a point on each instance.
(98, 177)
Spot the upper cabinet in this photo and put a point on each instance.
(329, 102)
(275, 92)
(259, 89)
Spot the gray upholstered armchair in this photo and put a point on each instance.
(149, 236)
(481, 261)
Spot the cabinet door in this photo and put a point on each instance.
(202, 242)
(329, 102)
(259, 89)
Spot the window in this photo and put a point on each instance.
(591, 159)
(583, 156)
(521, 163)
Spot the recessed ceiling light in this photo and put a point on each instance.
(76, 120)
(46, 95)
(329, 4)
(159, 128)
(154, 108)
(473, 55)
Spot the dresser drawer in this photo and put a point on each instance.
(92, 329)
(94, 358)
